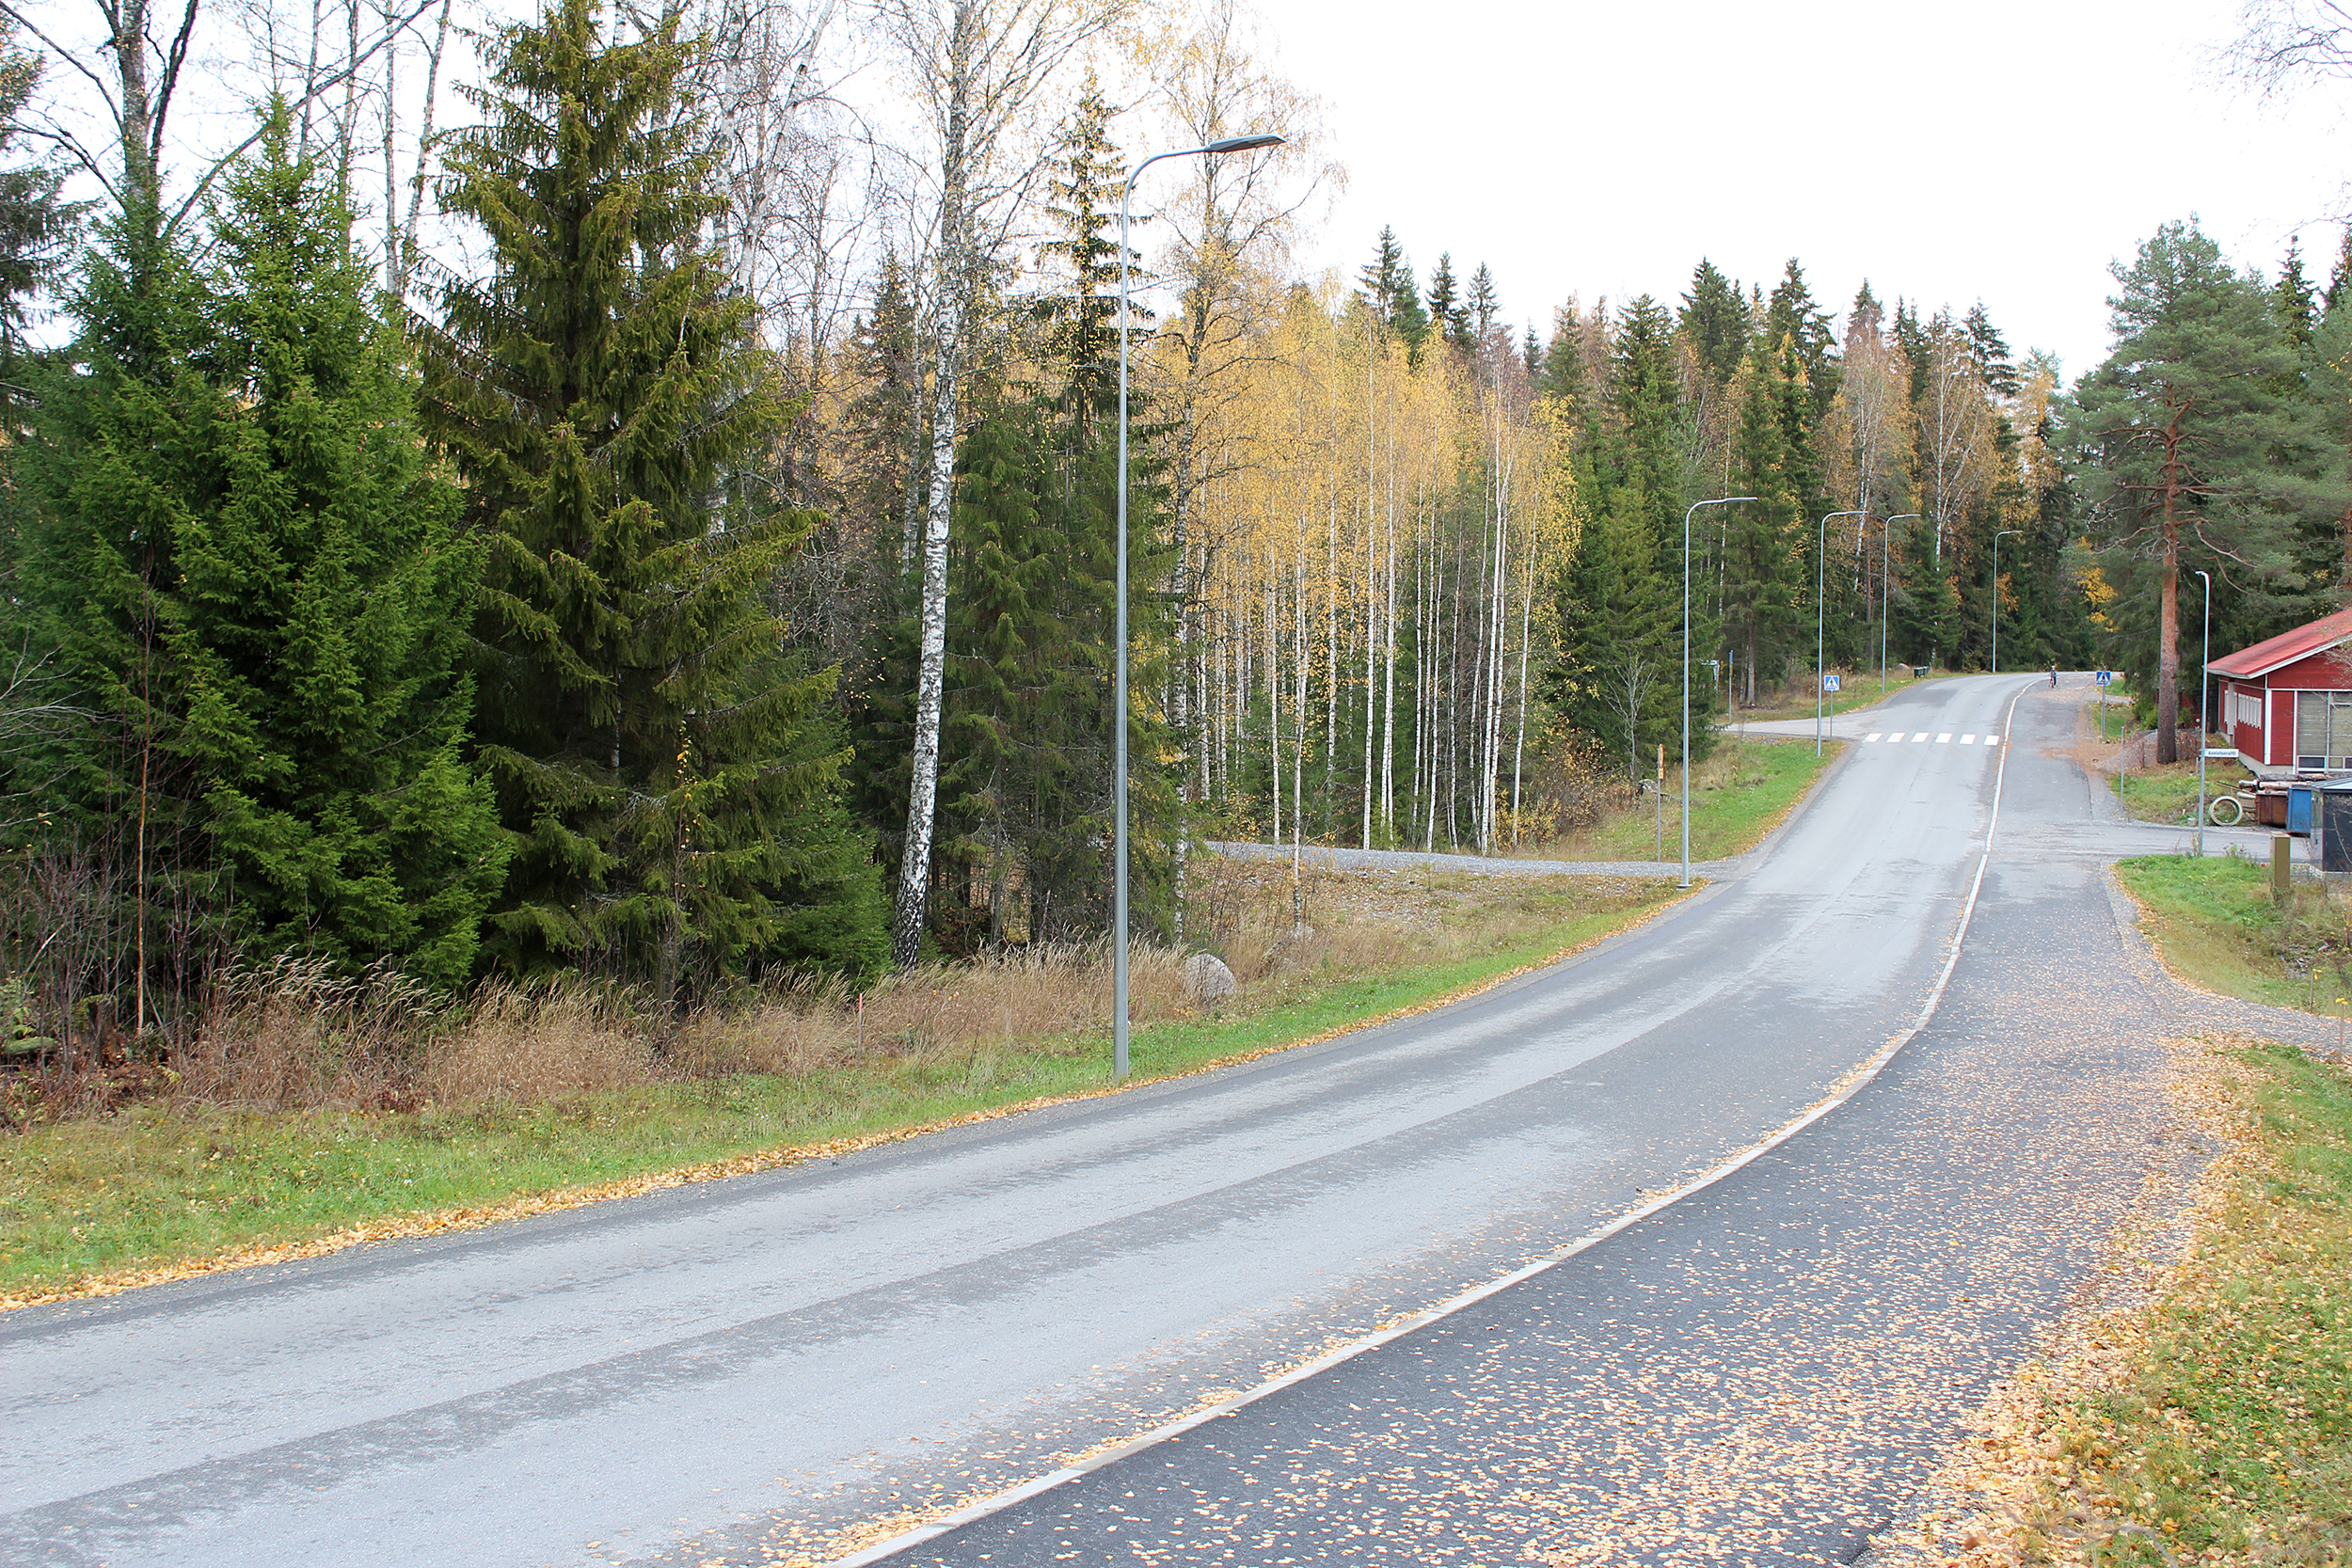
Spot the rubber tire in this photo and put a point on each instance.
(2237, 811)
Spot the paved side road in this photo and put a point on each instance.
(1313, 856)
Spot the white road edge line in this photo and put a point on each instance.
(1862, 1076)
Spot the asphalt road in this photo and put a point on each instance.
(730, 1372)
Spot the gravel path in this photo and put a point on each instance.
(1483, 865)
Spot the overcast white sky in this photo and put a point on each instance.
(2008, 149)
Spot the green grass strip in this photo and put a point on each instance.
(2214, 922)
(1738, 795)
(2229, 1437)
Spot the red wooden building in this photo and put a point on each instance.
(2287, 703)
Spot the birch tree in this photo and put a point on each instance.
(1231, 222)
(981, 71)
(1956, 426)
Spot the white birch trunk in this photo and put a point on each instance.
(1388, 695)
(914, 864)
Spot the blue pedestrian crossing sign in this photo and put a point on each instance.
(2104, 677)
(1829, 683)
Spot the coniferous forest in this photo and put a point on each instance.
(639, 526)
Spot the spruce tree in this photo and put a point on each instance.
(2292, 304)
(1714, 320)
(36, 220)
(1644, 396)
(2323, 541)
(323, 595)
(1762, 538)
(2339, 290)
(1383, 278)
(1447, 317)
(1793, 314)
(1993, 362)
(1562, 375)
(1482, 305)
(1618, 679)
(669, 806)
(252, 581)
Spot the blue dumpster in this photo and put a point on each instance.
(2299, 808)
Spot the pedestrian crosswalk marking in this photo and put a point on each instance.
(1896, 737)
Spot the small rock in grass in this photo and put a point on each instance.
(1208, 981)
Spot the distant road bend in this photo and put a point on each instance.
(732, 1373)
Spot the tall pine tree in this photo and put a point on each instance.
(2185, 428)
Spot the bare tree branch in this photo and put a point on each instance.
(2285, 44)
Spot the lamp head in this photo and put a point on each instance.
(1247, 141)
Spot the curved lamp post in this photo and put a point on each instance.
(1820, 622)
(1118, 697)
(1996, 594)
(1719, 500)
(1886, 598)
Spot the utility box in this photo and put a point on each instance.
(2299, 808)
(2334, 810)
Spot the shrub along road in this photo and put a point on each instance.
(738, 1371)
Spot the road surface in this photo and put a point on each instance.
(732, 1372)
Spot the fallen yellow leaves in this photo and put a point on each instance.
(2054, 1468)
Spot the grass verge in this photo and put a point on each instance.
(2168, 792)
(158, 1191)
(1742, 791)
(2214, 922)
(1861, 691)
(2206, 1420)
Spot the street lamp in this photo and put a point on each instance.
(2203, 675)
(1997, 594)
(1821, 623)
(1886, 601)
(1118, 700)
(1719, 500)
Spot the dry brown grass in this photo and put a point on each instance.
(296, 1036)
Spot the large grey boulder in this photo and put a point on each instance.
(1208, 981)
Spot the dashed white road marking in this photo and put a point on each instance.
(1921, 736)
(1944, 739)
(1992, 740)
(1967, 740)
(1872, 736)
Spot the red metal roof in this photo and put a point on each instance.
(2275, 653)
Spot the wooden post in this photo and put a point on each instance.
(1660, 793)
(2282, 870)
